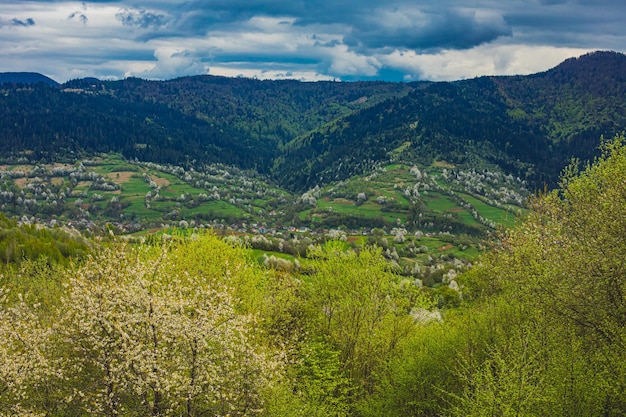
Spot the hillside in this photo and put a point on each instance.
(49, 123)
(308, 134)
(240, 122)
(195, 326)
(530, 126)
(266, 111)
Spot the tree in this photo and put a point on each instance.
(31, 370)
(573, 245)
(138, 332)
(154, 339)
(563, 268)
(359, 307)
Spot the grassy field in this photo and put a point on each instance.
(388, 196)
(440, 203)
(495, 214)
(218, 209)
(350, 208)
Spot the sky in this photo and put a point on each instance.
(393, 40)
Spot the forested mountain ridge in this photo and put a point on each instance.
(241, 122)
(530, 126)
(54, 123)
(308, 134)
(263, 110)
(26, 78)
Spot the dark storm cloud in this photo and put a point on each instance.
(593, 24)
(140, 18)
(416, 30)
(78, 15)
(424, 25)
(431, 26)
(25, 22)
(346, 39)
(427, 25)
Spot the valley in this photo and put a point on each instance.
(425, 218)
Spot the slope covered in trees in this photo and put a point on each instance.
(194, 327)
(267, 112)
(239, 122)
(53, 124)
(308, 134)
(528, 125)
(30, 242)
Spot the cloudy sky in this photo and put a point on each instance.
(303, 39)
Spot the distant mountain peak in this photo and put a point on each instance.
(595, 57)
(593, 62)
(26, 78)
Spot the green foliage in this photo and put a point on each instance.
(418, 379)
(28, 242)
(562, 270)
(195, 326)
(29, 359)
(219, 263)
(139, 332)
(321, 382)
(37, 280)
(359, 306)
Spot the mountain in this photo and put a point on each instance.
(308, 134)
(25, 78)
(262, 110)
(241, 122)
(528, 125)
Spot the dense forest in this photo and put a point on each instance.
(530, 126)
(309, 134)
(202, 119)
(193, 326)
